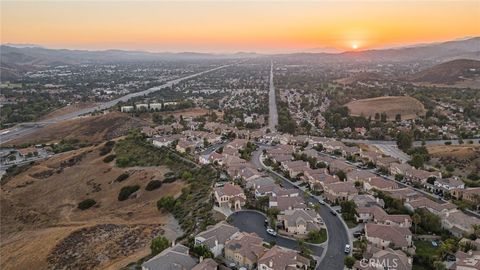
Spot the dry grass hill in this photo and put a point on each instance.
(42, 227)
(407, 107)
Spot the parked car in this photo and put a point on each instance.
(271, 232)
(347, 249)
(322, 202)
(333, 212)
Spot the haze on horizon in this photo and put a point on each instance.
(232, 26)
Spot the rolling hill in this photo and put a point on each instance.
(450, 72)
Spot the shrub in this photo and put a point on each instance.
(167, 203)
(85, 204)
(126, 191)
(159, 244)
(109, 158)
(154, 184)
(107, 148)
(122, 177)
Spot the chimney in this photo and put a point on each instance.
(270, 264)
(173, 243)
(201, 259)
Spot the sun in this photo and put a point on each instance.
(354, 46)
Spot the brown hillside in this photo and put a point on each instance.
(450, 72)
(43, 228)
(407, 107)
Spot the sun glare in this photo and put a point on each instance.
(354, 46)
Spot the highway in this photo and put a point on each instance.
(272, 104)
(21, 130)
(338, 235)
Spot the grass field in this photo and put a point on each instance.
(407, 107)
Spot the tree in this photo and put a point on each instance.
(417, 161)
(159, 244)
(404, 140)
(416, 218)
(167, 203)
(398, 117)
(448, 246)
(349, 261)
(341, 175)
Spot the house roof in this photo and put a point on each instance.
(221, 232)
(393, 234)
(173, 258)
(228, 190)
(280, 259)
(207, 264)
(248, 245)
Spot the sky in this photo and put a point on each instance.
(231, 26)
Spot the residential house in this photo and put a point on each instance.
(384, 236)
(379, 183)
(230, 195)
(301, 221)
(340, 191)
(466, 260)
(380, 259)
(338, 165)
(430, 205)
(259, 182)
(447, 184)
(458, 223)
(215, 237)
(173, 258)
(244, 249)
(278, 258)
(206, 264)
(294, 168)
(287, 203)
(367, 200)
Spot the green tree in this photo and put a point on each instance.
(404, 140)
(159, 244)
(341, 175)
(349, 261)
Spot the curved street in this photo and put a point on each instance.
(253, 221)
(338, 235)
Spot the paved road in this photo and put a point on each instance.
(252, 221)
(21, 130)
(415, 143)
(272, 104)
(338, 236)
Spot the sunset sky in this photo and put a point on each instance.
(229, 26)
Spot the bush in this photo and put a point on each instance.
(159, 244)
(154, 184)
(167, 203)
(85, 204)
(107, 148)
(126, 191)
(122, 177)
(109, 158)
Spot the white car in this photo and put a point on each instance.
(271, 232)
(322, 202)
(347, 249)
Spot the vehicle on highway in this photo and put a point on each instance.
(347, 249)
(271, 232)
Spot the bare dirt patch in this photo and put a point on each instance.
(407, 107)
(40, 214)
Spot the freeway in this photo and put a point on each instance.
(20, 130)
(272, 104)
(338, 235)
